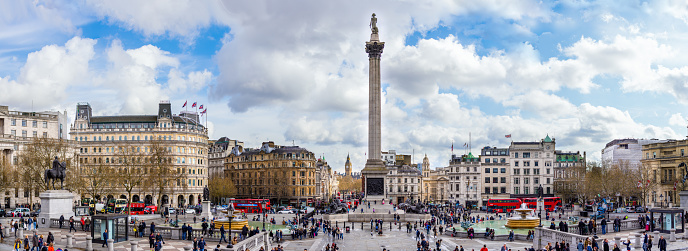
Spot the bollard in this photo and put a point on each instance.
(69, 240)
(672, 237)
(390, 226)
(6, 231)
(89, 243)
(134, 245)
(362, 227)
(111, 244)
(20, 232)
(655, 235)
(187, 248)
(617, 240)
(638, 241)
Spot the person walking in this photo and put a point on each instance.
(105, 238)
(17, 244)
(662, 244)
(34, 242)
(201, 244)
(151, 240)
(222, 234)
(61, 221)
(71, 224)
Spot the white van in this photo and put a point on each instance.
(21, 211)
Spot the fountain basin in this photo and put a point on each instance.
(522, 223)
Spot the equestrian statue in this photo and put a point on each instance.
(59, 171)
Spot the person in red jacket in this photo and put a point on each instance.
(484, 248)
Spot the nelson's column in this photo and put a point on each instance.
(375, 170)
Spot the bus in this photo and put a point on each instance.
(115, 206)
(250, 205)
(502, 205)
(88, 202)
(551, 203)
(136, 208)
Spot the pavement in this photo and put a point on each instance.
(357, 239)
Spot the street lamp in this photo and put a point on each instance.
(540, 203)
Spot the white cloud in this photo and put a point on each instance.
(47, 74)
(677, 120)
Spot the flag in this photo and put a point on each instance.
(200, 107)
(452, 146)
(507, 136)
(640, 183)
(203, 112)
(194, 105)
(465, 144)
(184, 104)
(648, 181)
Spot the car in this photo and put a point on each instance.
(36, 213)
(285, 212)
(190, 211)
(640, 210)
(171, 210)
(2, 212)
(21, 211)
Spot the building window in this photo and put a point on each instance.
(487, 160)
(495, 170)
(516, 163)
(45, 124)
(548, 192)
(547, 182)
(24, 134)
(502, 170)
(502, 160)
(654, 155)
(526, 163)
(487, 170)
(487, 179)
(526, 190)
(516, 190)
(14, 122)
(35, 134)
(515, 181)
(495, 190)
(45, 134)
(517, 171)
(526, 181)
(503, 189)
(526, 155)
(495, 180)
(536, 163)
(487, 190)
(13, 133)
(547, 169)
(503, 180)
(526, 171)
(24, 123)
(536, 171)
(536, 180)
(34, 124)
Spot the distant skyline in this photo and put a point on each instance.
(584, 72)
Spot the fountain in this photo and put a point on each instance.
(522, 221)
(237, 221)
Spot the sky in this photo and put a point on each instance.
(295, 72)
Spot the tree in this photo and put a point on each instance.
(645, 182)
(221, 187)
(129, 162)
(162, 176)
(349, 184)
(97, 179)
(281, 183)
(36, 157)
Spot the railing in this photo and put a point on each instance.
(545, 235)
(252, 243)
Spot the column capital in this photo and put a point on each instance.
(374, 49)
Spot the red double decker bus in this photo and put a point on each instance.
(136, 209)
(551, 203)
(251, 205)
(502, 205)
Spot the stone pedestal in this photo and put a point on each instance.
(70, 237)
(617, 240)
(683, 198)
(111, 245)
(134, 245)
(206, 210)
(374, 181)
(638, 240)
(89, 243)
(672, 236)
(55, 203)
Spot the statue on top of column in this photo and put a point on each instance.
(373, 24)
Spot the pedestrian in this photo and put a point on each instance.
(151, 240)
(201, 244)
(17, 244)
(662, 244)
(222, 234)
(61, 221)
(71, 224)
(105, 238)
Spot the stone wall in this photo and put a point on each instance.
(366, 217)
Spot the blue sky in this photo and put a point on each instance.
(586, 72)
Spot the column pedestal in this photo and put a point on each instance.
(55, 203)
(206, 210)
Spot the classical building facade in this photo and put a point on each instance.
(531, 163)
(284, 174)
(217, 152)
(324, 177)
(435, 187)
(464, 180)
(569, 170)
(403, 183)
(666, 164)
(18, 128)
(496, 177)
(102, 138)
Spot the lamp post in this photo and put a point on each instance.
(540, 203)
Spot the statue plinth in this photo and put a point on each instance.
(206, 210)
(55, 203)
